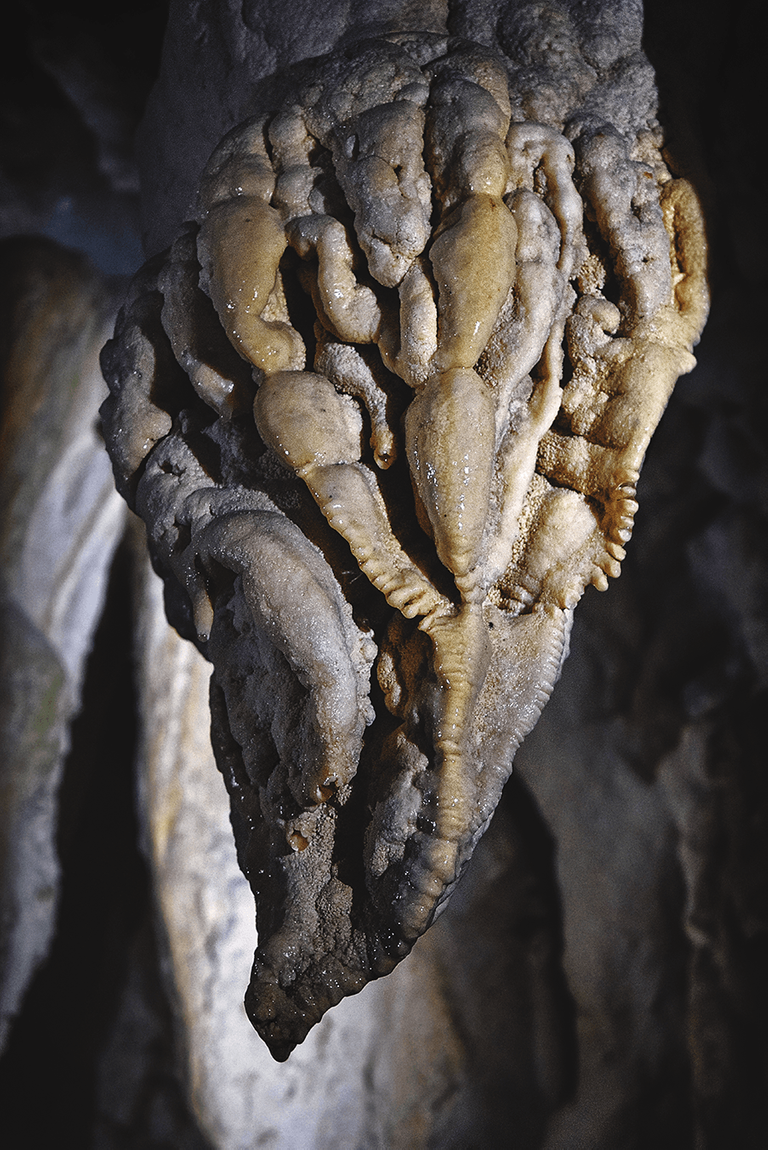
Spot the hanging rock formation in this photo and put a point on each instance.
(382, 406)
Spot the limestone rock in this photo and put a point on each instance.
(61, 523)
(459, 299)
(423, 1054)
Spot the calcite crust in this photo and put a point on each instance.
(383, 406)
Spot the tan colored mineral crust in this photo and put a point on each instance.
(459, 303)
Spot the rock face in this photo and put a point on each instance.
(61, 523)
(383, 406)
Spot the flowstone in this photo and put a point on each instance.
(383, 406)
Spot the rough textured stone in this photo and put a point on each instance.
(423, 1055)
(61, 523)
(550, 280)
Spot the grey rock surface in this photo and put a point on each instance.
(61, 523)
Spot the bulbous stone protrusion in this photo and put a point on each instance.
(455, 335)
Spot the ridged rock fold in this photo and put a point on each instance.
(383, 406)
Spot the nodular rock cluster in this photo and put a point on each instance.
(383, 406)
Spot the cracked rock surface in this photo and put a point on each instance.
(382, 406)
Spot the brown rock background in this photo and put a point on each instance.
(599, 978)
